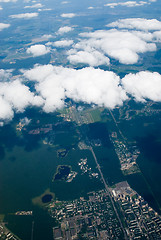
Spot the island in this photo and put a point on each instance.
(65, 173)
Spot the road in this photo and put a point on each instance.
(108, 191)
(32, 231)
(104, 182)
(117, 125)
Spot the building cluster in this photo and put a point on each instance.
(78, 116)
(95, 218)
(92, 218)
(86, 169)
(141, 221)
(24, 213)
(126, 156)
(23, 122)
(5, 234)
(149, 109)
(43, 130)
(82, 145)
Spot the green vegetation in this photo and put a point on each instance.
(134, 196)
(113, 186)
(1, 217)
(62, 172)
(96, 115)
(63, 110)
(131, 170)
(62, 152)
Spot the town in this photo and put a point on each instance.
(95, 218)
(115, 212)
(92, 218)
(126, 156)
(5, 234)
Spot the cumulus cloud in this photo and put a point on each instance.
(137, 23)
(63, 43)
(38, 50)
(90, 85)
(6, 111)
(133, 36)
(5, 74)
(68, 15)
(126, 4)
(38, 72)
(146, 36)
(18, 95)
(157, 36)
(93, 86)
(45, 9)
(121, 45)
(15, 96)
(65, 29)
(4, 25)
(47, 36)
(92, 57)
(25, 15)
(143, 85)
(64, 2)
(37, 5)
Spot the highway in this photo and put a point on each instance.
(102, 177)
(117, 125)
(108, 191)
(32, 231)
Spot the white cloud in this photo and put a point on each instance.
(15, 96)
(93, 57)
(126, 4)
(26, 1)
(45, 9)
(64, 2)
(18, 95)
(65, 29)
(90, 85)
(121, 45)
(47, 36)
(124, 45)
(25, 15)
(111, 5)
(1, 8)
(38, 50)
(93, 86)
(5, 75)
(63, 43)
(137, 23)
(37, 5)
(4, 25)
(157, 36)
(146, 36)
(68, 15)
(6, 111)
(143, 85)
(38, 72)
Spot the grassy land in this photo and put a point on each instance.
(1, 217)
(38, 200)
(96, 115)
